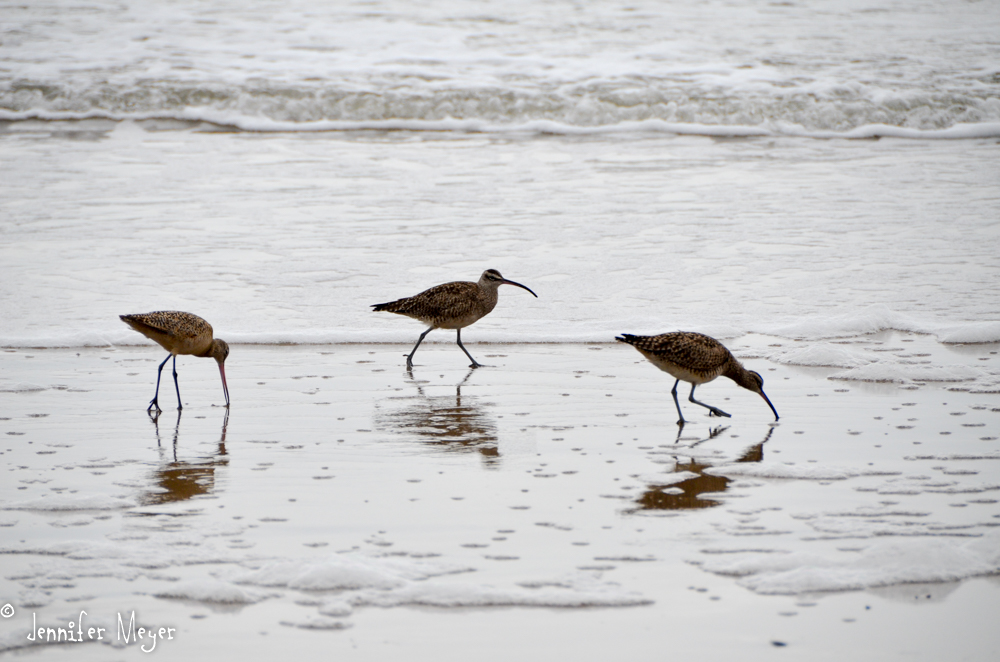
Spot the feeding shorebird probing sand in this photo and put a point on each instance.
(451, 306)
(180, 333)
(697, 359)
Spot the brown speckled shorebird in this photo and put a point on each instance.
(180, 333)
(696, 359)
(451, 306)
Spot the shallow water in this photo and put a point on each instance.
(279, 170)
(290, 237)
(343, 493)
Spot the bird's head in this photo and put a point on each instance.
(491, 278)
(756, 384)
(220, 350)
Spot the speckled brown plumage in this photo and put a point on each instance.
(453, 305)
(698, 356)
(697, 359)
(448, 306)
(180, 333)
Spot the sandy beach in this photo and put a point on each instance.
(348, 508)
(813, 184)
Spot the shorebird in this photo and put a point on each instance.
(451, 306)
(696, 359)
(180, 333)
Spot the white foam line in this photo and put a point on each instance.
(864, 321)
(265, 125)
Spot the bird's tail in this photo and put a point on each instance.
(143, 323)
(627, 338)
(389, 307)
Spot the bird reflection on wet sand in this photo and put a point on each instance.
(452, 423)
(179, 480)
(667, 497)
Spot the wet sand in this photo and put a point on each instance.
(543, 505)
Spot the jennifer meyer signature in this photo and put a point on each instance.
(75, 633)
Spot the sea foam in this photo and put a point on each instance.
(433, 68)
(882, 563)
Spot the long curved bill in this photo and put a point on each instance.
(510, 282)
(225, 389)
(769, 405)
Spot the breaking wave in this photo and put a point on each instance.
(611, 106)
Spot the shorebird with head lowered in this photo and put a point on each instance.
(180, 333)
(451, 306)
(697, 359)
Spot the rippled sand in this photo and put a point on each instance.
(545, 503)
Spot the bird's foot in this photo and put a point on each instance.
(153, 403)
(681, 422)
(715, 411)
(475, 365)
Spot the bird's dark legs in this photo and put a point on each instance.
(673, 392)
(177, 386)
(155, 401)
(409, 358)
(714, 410)
(458, 334)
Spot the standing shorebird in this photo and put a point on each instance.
(180, 333)
(451, 306)
(696, 359)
